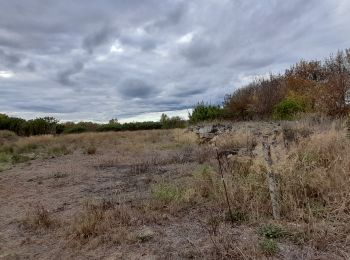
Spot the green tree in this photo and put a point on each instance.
(204, 112)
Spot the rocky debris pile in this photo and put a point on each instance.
(208, 132)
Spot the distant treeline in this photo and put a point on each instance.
(321, 87)
(50, 125)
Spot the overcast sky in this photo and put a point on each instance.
(96, 60)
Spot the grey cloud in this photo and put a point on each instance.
(9, 59)
(170, 18)
(15, 61)
(144, 42)
(65, 76)
(136, 88)
(189, 92)
(64, 49)
(200, 52)
(46, 108)
(97, 38)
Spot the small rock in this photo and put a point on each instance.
(145, 234)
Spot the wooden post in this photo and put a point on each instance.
(348, 127)
(271, 180)
(218, 158)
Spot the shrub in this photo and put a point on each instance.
(323, 86)
(109, 127)
(75, 130)
(133, 126)
(60, 128)
(38, 126)
(204, 112)
(172, 122)
(288, 108)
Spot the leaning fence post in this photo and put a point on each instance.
(348, 127)
(271, 179)
(218, 158)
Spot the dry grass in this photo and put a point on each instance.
(39, 217)
(313, 179)
(104, 220)
(179, 181)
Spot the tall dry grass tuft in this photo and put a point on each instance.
(38, 217)
(316, 181)
(103, 219)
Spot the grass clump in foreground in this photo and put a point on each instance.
(271, 231)
(269, 247)
(38, 217)
(166, 194)
(105, 220)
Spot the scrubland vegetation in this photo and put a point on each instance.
(306, 87)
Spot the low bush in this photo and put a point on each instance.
(75, 130)
(288, 108)
(172, 122)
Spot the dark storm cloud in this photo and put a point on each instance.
(125, 58)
